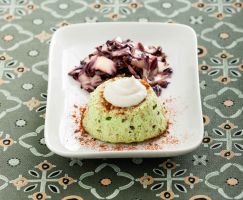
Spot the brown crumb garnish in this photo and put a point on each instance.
(151, 146)
(120, 111)
(81, 110)
(170, 140)
(146, 84)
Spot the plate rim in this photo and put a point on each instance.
(124, 153)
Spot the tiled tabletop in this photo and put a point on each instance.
(28, 170)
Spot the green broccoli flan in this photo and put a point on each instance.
(124, 110)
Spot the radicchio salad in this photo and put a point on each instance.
(119, 57)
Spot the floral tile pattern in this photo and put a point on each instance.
(97, 190)
(173, 179)
(230, 174)
(167, 8)
(61, 9)
(225, 101)
(12, 9)
(9, 33)
(28, 170)
(227, 35)
(115, 9)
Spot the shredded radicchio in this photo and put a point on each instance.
(123, 58)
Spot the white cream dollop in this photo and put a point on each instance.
(125, 92)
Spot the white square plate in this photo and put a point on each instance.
(72, 43)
